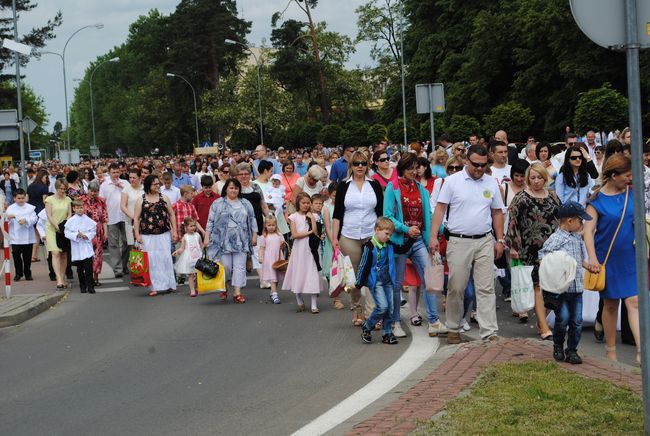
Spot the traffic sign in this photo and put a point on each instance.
(35, 154)
(603, 21)
(206, 144)
(8, 125)
(29, 125)
(430, 97)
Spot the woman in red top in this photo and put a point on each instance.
(384, 174)
(289, 178)
(424, 174)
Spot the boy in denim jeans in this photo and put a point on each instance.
(377, 273)
(568, 305)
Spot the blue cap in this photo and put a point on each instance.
(571, 209)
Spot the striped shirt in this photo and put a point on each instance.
(573, 244)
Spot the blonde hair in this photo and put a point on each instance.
(61, 182)
(77, 203)
(186, 188)
(439, 155)
(270, 218)
(384, 223)
(539, 169)
(453, 160)
(357, 156)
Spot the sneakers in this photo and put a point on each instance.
(366, 335)
(465, 325)
(453, 338)
(275, 299)
(472, 317)
(398, 332)
(571, 357)
(389, 339)
(437, 328)
(558, 352)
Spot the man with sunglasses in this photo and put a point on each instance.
(558, 160)
(475, 212)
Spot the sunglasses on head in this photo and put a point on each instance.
(359, 163)
(575, 157)
(477, 165)
(455, 167)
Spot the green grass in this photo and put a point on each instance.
(539, 398)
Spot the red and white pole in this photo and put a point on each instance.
(7, 261)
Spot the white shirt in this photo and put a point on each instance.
(80, 248)
(360, 217)
(112, 193)
(173, 193)
(22, 233)
(501, 174)
(40, 224)
(311, 191)
(471, 202)
(275, 196)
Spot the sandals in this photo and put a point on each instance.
(338, 305)
(523, 318)
(275, 299)
(223, 295)
(357, 321)
(194, 294)
(239, 299)
(609, 351)
(35, 259)
(546, 337)
(416, 320)
(153, 293)
(301, 308)
(315, 311)
(97, 284)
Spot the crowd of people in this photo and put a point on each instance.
(479, 203)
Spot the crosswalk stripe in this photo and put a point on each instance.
(114, 289)
(111, 280)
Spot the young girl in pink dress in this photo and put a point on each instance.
(302, 273)
(188, 253)
(271, 251)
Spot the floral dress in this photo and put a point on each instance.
(96, 209)
(532, 221)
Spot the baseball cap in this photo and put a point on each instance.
(276, 177)
(571, 209)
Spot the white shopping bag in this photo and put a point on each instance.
(523, 292)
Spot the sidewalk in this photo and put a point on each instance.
(30, 298)
(463, 367)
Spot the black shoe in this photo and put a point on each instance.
(558, 352)
(119, 275)
(17, 278)
(53, 277)
(30, 277)
(83, 290)
(573, 358)
(389, 339)
(366, 335)
(70, 276)
(91, 290)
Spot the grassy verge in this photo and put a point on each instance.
(539, 398)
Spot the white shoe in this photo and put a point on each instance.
(465, 325)
(437, 328)
(398, 331)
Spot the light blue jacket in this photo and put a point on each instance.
(393, 211)
(567, 193)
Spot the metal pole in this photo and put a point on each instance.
(29, 142)
(401, 42)
(23, 178)
(634, 96)
(259, 99)
(433, 136)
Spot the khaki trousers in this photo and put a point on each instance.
(462, 255)
(353, 248)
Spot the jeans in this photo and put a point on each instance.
(569, 313)
(419, 254)
(383, 295)
(506, 283)
(470, 296)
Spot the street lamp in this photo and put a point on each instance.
(401, 42)
(92, 109)
(65, 86)
(196, 116)
(259, 85)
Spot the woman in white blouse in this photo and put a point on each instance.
(359, 201)
(130, 194)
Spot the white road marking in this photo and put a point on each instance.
(422, 348)
(111, 281)
(115, 289)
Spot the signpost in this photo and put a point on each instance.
(628, 29)
(29, 126)
(430, 99)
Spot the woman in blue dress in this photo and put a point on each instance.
(606, 208)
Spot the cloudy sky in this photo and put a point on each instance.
(46, 76)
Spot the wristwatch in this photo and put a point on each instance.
(502, 241)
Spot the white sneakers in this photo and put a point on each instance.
(465, 325)
(437, 328)
(398, 331)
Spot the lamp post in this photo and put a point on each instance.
(401, 42)
(196, 112)
(259, 84)
(90, 85)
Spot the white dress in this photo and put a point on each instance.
(132, 196)
(187, 259)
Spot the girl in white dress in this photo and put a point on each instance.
(188, 253)
(271, 251)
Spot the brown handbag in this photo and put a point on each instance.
(596, 281)
(281, 265)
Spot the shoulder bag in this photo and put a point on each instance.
(596, 281)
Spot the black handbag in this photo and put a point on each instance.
(208, 267)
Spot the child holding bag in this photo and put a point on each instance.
(189, 252)
(271, 244)
(302, 273)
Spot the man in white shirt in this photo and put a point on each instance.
(22, 218)
(475, 212)
(111, 191)
(591, 144)
(500, 168)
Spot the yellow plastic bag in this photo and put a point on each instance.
(207, 285)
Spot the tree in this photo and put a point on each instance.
(378, 23)
(511, 117)
(34, 108)
(601, 109)
(376, 133)
(330, 135)
(462, 126)
(355, 133)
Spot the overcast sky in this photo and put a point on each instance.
(46, 76)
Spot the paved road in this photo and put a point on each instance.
(123, 363)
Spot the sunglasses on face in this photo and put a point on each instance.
(575, 157)
(455, 167)
(359, 164)
(382, 159)
(477, 165)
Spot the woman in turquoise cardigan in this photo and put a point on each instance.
(407, 206)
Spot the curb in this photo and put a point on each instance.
(31, 308)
